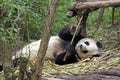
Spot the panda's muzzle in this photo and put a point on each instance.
(83, 51)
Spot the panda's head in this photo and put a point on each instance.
(88, 48)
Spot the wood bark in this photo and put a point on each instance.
(1, 52)
(100, 17)
(113, 15)
(85, 14)
(83, 24)
(6, 54)
(97, 4)
(50, 13)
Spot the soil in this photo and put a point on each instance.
(111, 74)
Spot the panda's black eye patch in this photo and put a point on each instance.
(87, 43)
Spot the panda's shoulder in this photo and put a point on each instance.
(55, 39)
(57, 42)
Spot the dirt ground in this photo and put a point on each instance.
(112, 73)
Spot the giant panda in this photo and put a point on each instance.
(85, 48)
(57, 44)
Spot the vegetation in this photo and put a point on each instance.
(24, 20)
(30, 14)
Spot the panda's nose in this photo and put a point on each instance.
(81, 46)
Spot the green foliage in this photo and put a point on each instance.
(29, 14)
(61, 19)
(105, 32)
(25, 14)
(25, 19)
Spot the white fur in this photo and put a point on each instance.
(31, 50)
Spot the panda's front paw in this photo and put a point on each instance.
(70, 49)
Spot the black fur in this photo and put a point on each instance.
(1, 68)
(70, 49)
(59, 59)
(87, 43)
(97, 55)
(99, 44)
(71, 58)
(66, 35)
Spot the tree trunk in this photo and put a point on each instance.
(85, 14)
(6, 55)
(6, 50)
(50, 13)
(83, 24)
(113, 15)
(100, 17)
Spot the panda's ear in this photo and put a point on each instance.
(99, 44)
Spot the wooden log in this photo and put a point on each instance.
(71, 14)
(71, 6)
(97, 4)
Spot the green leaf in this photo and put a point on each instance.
(3, 39)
